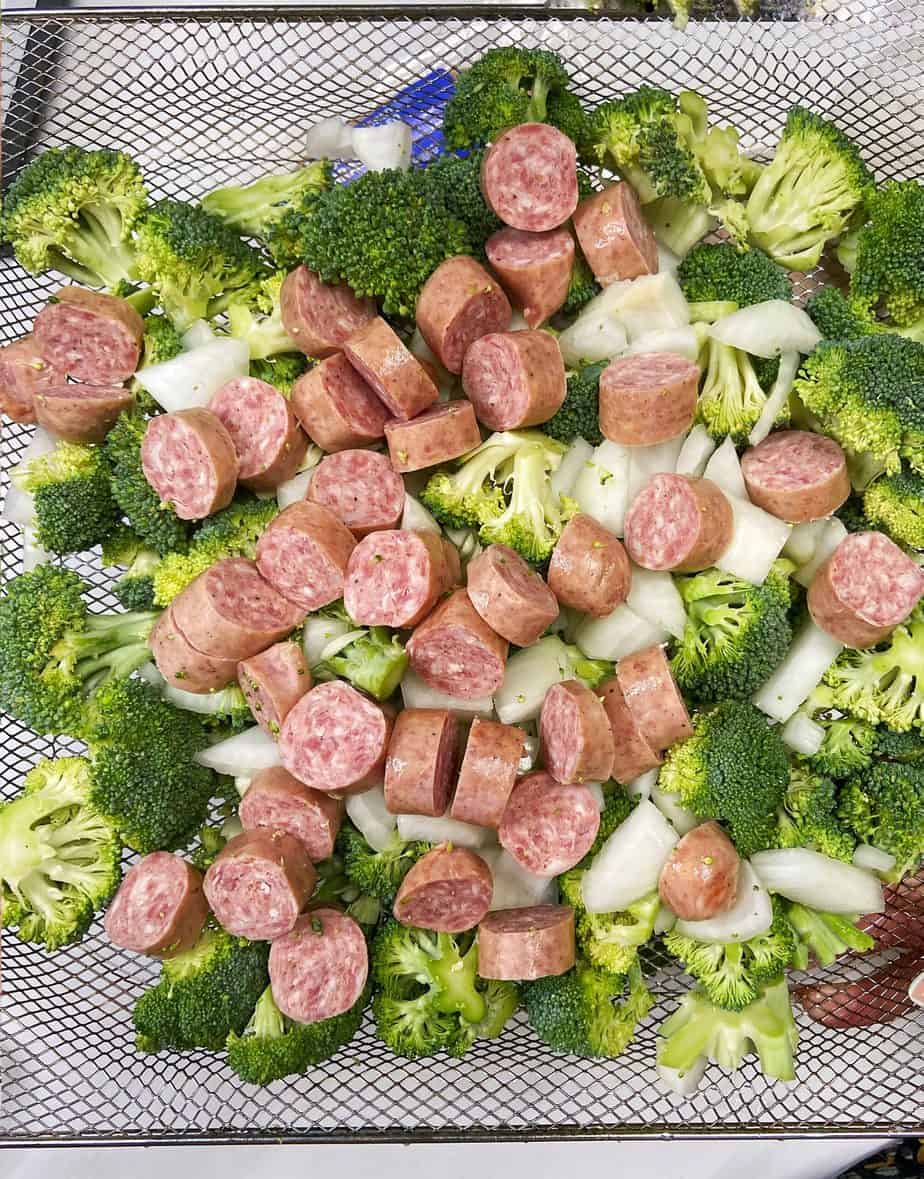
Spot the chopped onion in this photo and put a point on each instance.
(317, 633)
(695, 453)
(768, 329)
(33, 554)
(530, 753)
(811, 654)
(803, 735)
(337, 644)
(149, 673)
(190, 379)
(517, 322)
(231, 827)
(757, 540)
(244, 753)
(371, 817)
(652, 303)
(750, 915)
(641, 786)
(198, 333)
(444, 830)
(597, 791)
(595, 335)
(529, 675)
(812, 879)
(645, 461)
(294, 490)
(416, 516)
(683, 1082)
(677, 225)
(203, 703)
(621, 633)
(665, 919)
(668, 262)
(804, 541)
(602, 486)
(330, 138)
(242, 783)
(834, 532)
(19, 506)
(418, 694)
(514, 887)
(776, 398)
(385, 146)
(563, 479)
(724, 470)
(654, 597)
(628, 865)
(681, 341)
(873, 859)
(678, 816)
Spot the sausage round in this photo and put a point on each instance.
(488, 773)
(514, 379)
(653, 698)
(455, 651)
(616, 239)
(320, 318)
(535, 269)
(589, 570)
(303, 554)
(394, 578)
(632, 755)
(182, 665)
(575, 734)
(265, 432)
(360, 488)
(511, 597)
(529, 177)
(231, 612)
(435, 437)
(549, 826)
(449, 890)
(420, 762)
(335, 739)
(796, 475)
(80, 413)
(866, 588)
(390, 369)
(188, 457)
(276, 800)
(679, 523)
(319, 970)
(336, 407)
(160, 908)
(91, 336)
(700, 878)
(460, 301)
(522, 944)
(273, 682)
(259, 883)
(647, 398)
(24, 371)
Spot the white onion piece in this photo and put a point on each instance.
(418, 694)
(244, 753)
(645, 461)
(668, 262)
(385, 146)
(641, 786)
(33, 554)
(149, 673)
(317, 633)
(198, 333)
(654, 597)
(665, 919)
(621, 633)
(724, 469)
(757, 540)
(203, 703)
(811, 654)
(812, 879)
(697, 449)
(517, 322)
(514, 887)
(628, 865)
(681, 341)
(803, 735)
(294, 490)
(563, 479)
(330, 139)
(595, 335)
(597, 791)
(678, 816)
(231, 827)
(652, 303)
(336, 645)
(601, 488)
(242, 783)
(750, 915)
(18, 506)
(416, 517)
(189, 380)
(804, 541)
(768, 329)
(873, 859)
(371, 817)
(683, 1082)
(776, 398)
(529, 675)
(530, 754)
(834, 532)
(444, 830)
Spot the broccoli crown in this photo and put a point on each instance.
(253, 208)
(848, 743)
(455, 182)
(889, 269)
(718, 272)
(59, 858)
(582, 288)
(155, 522)
(564, 110)
(577, 417)
(609, 941)
(73, 210)
(375, 661)
(255, 315)
(734, 768)
(74, 507)
(839, 318)
(135, 588)
(808, 192)
(203, 995)
(852, 515)
(161, 340)
(896, 504)
(731, 396)
(591, 672)
(884, 806)
(378, 874)
(736, 634)
(823, 936)
(281, 371)
(809, 816)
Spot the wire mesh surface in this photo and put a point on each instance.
(203, 101)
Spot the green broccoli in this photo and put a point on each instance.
(375, 661)
(335, 887)
(74, 210)
(281, 371)
(889, 269)
(851, 514)
(823, 936)
(885, 808)
(809, 815)
(609, 941)
(378, 873)
(848, 743)
(839, 318)
(252, 209)
(735, 769)
(582, 288)
(161, 341)
(74, 508)
(895, 503)
(59, 858)
(718, 272)
(135, 588)
(255, 315)
(591, 672)
(578, 416)
(155, 522)
(807, 194)
(455, 182)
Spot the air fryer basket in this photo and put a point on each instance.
(201, 98)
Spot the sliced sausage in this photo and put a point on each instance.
(511, 597)
(549, 826)
(679, 523)
(321, 318)
(616, 239)
(796, 475)
(653, 698)
(269, 442)
(880, 997)
(304, 554)
(488, 772)
(648, 398)
(336, 407)
(700, 878)
(276, 800)
(273, 682)
(589, 570)
(259, 883)
(437, 436)
(575, 735)
(160, 908)
(182, 665)
(378, 354)
(632, 755)
(360, 488)
(449, 890)
(535, 269)
(866, 588)
(529, 177)
(521, 944)
(420, 762)
(319, 970)
(188, 457)
(335, 739)
(455, 651)
(91, 336)
(80, 413)
(24, 371)
(514, 379)
(460, 301)
(230, 611)
(394, 578)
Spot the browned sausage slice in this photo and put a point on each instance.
(320, 318)
(319, 970)
(510, 596)
(521, 944)
(535, 269)
(361, 488)
(91, 336)
(160, 908)
(24, 371)
(394, 578)
(653, 698)
(434, 437)
(189, 459)
(182, 665)
(304, 554)
(514, 379)
(273, 682)
(488, 773)
(575, 734)
(449, 889)
(276, 800)
(679, 523)
(614, 235)
(420, 762)
(336, 407)
(589, 570)
(632, 755)
(259, 883)
(529, 177)
(387, 366)
(648, 398)
(455, 651)
(460, 301)
(549, 826)
(700, 878)
(80, 413)
(796, 475)
(264, 429)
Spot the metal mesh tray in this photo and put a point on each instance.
(203, 98)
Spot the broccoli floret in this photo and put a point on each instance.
(609, 941)
(839, 318)
(578, 415)
(848, 743)
(735, 769)
(375, 661)
(889, 268)
(731, 396)
(736, 634)
(59, 858)
(565, 111)
(809, 815)
(74, 508)
(463, 496)
(253, 208)
(885, 807)
(73, 210)
(711, 273)
(256, 317)
(135, 588)
(378, 874)
(280, 371)
(905, 748)
(582, 288)
(896, 504)
(591, 672)
(161, 341)
(155, 522)
(823, 936)
(884, 685)
(807, 194)
(700, 1028)
(456, 182)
